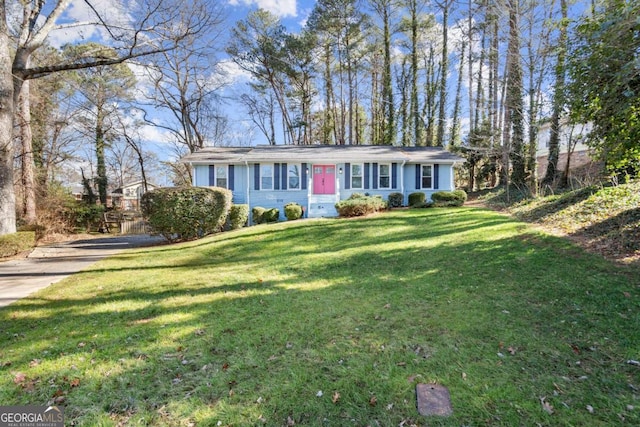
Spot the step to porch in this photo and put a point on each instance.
(322, 206)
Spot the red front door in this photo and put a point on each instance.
(324, 179)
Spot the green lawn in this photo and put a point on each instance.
(333, 323)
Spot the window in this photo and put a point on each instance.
(266, 177)
(427, 174)
(356, 175)
(221, 176)
(384, 176)
(293, 177)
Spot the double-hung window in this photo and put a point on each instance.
(293, 176)
(266, 177)
(384, 175)
(356, 175)
(221, 177)
(427, 177)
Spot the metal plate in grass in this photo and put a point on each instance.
(433, 399)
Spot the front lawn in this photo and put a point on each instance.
(333, 323)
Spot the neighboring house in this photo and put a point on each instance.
(571, 135)
(128, 196)
(317, 176)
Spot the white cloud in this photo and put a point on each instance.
(79, 22)
(280, 8)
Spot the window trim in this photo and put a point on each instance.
(361, 176)
(263, 176)
(388, 176)
(422, 176)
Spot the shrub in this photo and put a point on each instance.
(14, 243)
(184, 213)
(84, 215)
(449, 198)
(417, 199)
(271, 215)
(257, 214)
(238, 216)
(360, 205)
(396, 200)
(292, 211)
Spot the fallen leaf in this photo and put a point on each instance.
(575, 348)
(199, 332)
(627, 294)
(231, 393)
(319, 393)
(225, 366)
(74, 382)
(373, 401)
(19, 378)
(512, 350)
(464, 376)
(290, 421)
(546, 406)
(81, 344)
(590, 409)
(336, 397)
(34, 363)
(387, 306)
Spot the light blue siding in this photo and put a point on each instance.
(444, 180)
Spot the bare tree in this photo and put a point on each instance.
(150, 26)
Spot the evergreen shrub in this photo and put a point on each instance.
(396, 200)
(257, 214)
(449, 198)
(186, 213)
(359, 205)
(238, 216)
(292, 211)
(271, 215)
(417, 199)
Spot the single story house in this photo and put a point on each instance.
(318, 176)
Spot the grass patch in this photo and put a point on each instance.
(334, 322)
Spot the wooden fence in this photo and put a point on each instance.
(125, 223)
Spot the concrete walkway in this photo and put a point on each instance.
(49, 264)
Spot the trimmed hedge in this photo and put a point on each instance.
(238, 216)
(449, 198)
(292, 211)
(271, 215)
(359, 205)
(14, 243)
(417, 199)
(257, 214)
(186, 213)
(396, 200)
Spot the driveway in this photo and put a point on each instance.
(49, 264)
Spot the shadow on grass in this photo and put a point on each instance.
(393, 297)
(559, 203)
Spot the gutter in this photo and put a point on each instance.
(402, 177)
(248, 190)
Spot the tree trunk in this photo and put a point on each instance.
(7, 192)
(388, 113)
(444, 71)
(558, 102)
(27, 165)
